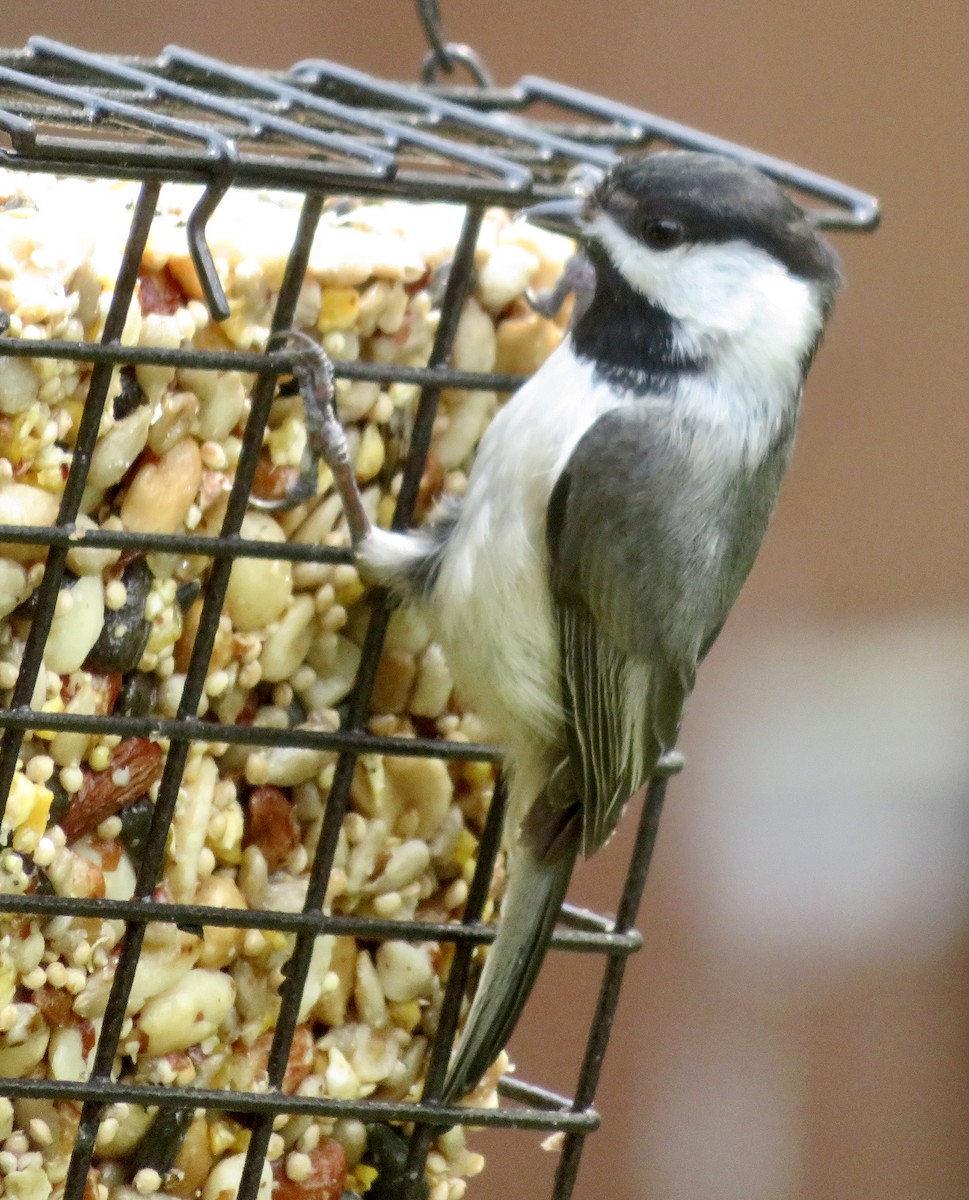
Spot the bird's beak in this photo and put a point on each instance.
(566, 216)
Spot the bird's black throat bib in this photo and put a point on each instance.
(629, 341)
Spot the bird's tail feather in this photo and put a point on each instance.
(538, 876)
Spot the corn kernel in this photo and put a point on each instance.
(405, 1014)
(349, 592)
(338, 308)
(370, 455)
(385, 511)
(466, 848)
(221, 1138)
(365, 1176)
(478, 774)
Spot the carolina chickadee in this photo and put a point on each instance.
(612, 514)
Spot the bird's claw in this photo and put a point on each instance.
(313, 372)
(313, 379)
(578, 276)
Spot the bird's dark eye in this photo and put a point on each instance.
(663, 233)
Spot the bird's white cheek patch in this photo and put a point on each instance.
(642, 268)
(716, 289)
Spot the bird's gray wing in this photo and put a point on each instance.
(616, 568)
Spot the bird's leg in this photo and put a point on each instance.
(313, 373)
(578, 276)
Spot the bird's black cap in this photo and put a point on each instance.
(717, 199)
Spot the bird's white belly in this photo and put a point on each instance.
(492, 601)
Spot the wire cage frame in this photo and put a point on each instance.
(318, 130)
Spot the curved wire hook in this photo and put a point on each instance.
(457, 53)
(444, 56)
(198, 247)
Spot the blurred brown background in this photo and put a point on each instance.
(796, 1027)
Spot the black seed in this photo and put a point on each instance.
(289, 387)
(296, 711)
(130, 397)
(187, 594)
(26, 609)
(136, 695)
(160, 1145)
(437, 284)
(43, 885)
(387, 1151)
(135, 824)
(126, 631)
(58, 806)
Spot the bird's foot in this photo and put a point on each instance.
(578, 276)
(670, 763)
(313, 372)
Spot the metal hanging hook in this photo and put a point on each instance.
(444, 56)
(457, 53)
(429, 12)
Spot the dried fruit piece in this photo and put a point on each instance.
(273, 482)
(160, 292)
(321, 1177)
(136, 764)
(92, 1185)
(54, 1004)
(271, 826)
(300, 1061)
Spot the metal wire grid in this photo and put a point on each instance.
(322, 130)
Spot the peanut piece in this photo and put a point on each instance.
(161, 493)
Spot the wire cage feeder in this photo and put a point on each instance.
(320, 131)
